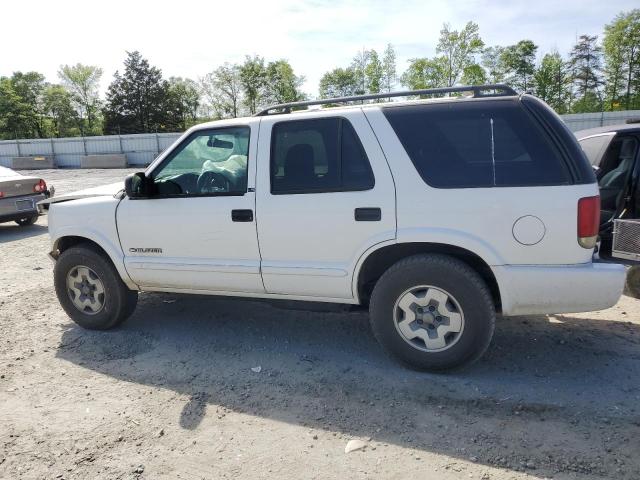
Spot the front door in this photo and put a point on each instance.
(196, 230)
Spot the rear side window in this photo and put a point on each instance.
(318, 155)
(478, 144)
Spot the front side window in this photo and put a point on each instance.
(208, 162)
(478, 144)
(318, 155)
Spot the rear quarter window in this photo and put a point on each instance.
(477, 144)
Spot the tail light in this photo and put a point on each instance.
(40, 187)
(1, 194)
(588, 221)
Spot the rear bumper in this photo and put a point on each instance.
(546, 289)
(10, 211)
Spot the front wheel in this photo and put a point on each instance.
(90, 289)
(432, 312)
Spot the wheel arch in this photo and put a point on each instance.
(379, 260)
(66, 241)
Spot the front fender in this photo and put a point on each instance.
(93, 219)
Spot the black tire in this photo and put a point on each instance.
(24, 222)
(632, 285)
(445, 273)
(119, 302)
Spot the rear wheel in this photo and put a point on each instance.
(26, 221)
(90, 289)
(432, 312)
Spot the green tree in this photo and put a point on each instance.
(425, 73)
(519, 61)
(374, 73)
(282, 84)
(473, 75)
(253, 77)
(389, 74)
(339, 82)
(183, 99)
(459, 49)
(83, 82)
(492, 61)
(622, 59)
(15, 118)
(222, 90)
(137, 99)
(359, 68)
(58, 106)
(552, 82)
(21, 105)
(586, 65)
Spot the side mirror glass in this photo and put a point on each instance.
(136, 185)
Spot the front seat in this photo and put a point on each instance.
(617, 176)
(299, 167)
(612, 184)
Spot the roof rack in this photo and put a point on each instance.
(498, 90)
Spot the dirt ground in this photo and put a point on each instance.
(176, 392)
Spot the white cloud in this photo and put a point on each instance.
(192, 37)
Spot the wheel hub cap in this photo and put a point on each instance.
(428, 318)
(85, 290)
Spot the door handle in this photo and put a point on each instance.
(242, 215)
(368, 214)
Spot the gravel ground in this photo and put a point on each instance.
(176, 392)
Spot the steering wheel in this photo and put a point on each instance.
(213, 182)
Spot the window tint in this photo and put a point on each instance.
(318, 155)
(479, 144)
(208, 162)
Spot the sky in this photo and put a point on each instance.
(192, 37)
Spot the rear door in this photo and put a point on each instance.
(324, 196)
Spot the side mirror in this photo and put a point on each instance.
(136, 185)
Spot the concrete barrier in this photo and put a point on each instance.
(104, 161)
(32, 163)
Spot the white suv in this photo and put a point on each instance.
(435, 213)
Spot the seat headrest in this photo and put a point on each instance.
(299, 163)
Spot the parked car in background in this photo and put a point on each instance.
(19, 197)
(613, 152)
(435, 214)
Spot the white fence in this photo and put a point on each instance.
(581, 121)
(141, 149)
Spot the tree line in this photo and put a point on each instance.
(595, 75)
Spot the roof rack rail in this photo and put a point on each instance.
(499, 90)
